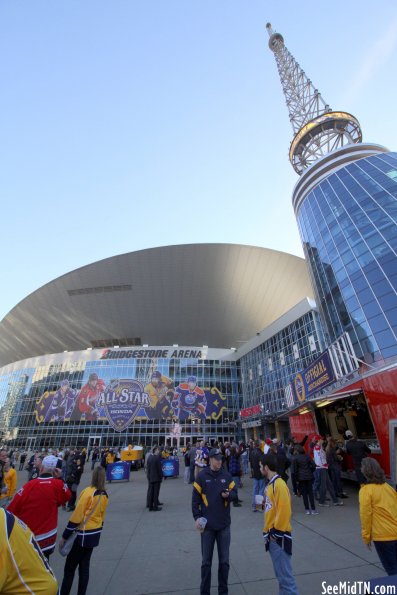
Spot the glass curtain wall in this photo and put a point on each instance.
(22, 391)
(267, 369)
(348, 226)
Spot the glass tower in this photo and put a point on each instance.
(345, 202)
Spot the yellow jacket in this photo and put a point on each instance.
(378, 512)
(23, 568)
(277, 506)
(10, 479)
(110, 458)
(88, 535)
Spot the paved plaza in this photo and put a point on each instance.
(143, 552)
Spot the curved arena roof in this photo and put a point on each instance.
(218, 295)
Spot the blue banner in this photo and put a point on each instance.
(314, 378)
(170, 467)
(118, 471)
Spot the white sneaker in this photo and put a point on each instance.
(307, 511)
(314, 512)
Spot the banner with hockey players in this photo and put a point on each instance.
(120, 401)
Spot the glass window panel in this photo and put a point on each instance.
(378, 324)
(388, 301)
(385, 339)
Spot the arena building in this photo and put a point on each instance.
(225, 341)
(145, 347)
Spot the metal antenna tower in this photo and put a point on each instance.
(318, 130)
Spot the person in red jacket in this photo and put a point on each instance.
(37, 503)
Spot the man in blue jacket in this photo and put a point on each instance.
(213, 490)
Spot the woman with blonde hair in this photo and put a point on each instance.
(378, 513)
(87, 520)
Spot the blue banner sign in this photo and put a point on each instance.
(118, 471)
(170, 467)
(314, 378)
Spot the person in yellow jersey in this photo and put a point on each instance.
(23, 567)
(87, 521)
(277, 525)
(378, 513)
(10, 481)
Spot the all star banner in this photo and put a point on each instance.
(121, 401)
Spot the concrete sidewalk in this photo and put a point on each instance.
(145, 553)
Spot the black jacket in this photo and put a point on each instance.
(302, 467)
(154, 470)
(358, 451)
(256, 457)
(282, 464)
(74, 470)
(207, 500)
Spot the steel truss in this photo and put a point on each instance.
(318, 130)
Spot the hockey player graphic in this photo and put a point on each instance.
(189, 400)
(159, 389)
(88, 396)
(62, 403)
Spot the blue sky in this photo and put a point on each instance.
(129, 124)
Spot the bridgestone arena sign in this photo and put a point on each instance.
(150, 353)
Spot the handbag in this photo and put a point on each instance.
(67, 546)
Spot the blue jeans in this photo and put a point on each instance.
(387, 552)
(316, 483)
(208, 538)
(283, 570)
(244, 462)
(258, 490)
(335, 475)
(326, 484)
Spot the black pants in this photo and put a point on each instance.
(306, 489)
(78, 556)
(72, 501)
(387, 552)
(208, 538)
(153, 494)
(360, 477)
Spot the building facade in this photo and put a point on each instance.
(346, 208)
(345, 202)
(160, 394)
(219, 296)
(270, 361)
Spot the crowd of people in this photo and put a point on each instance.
(315, 471)
(312, 467)
(29, 521)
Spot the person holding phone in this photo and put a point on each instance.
(213, 491)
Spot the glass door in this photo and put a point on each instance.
(30, 444)
(94, 441)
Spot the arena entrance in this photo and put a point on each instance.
(30, 443)
(93, 441)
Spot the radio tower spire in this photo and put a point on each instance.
(318, 130)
